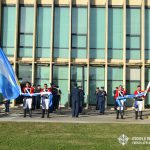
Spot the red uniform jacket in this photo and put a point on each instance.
(137, 92)
(50, 89)
(123, 92)
(30, 89)
(47, 90)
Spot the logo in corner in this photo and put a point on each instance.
(123, 139)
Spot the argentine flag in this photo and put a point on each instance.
(8, 81)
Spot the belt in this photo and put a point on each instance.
(28, 97)
(139, 100)
(45, 97)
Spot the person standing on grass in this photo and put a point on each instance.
(45, 101)
(75, 97)
(38, 97)
(81, 93)
(55, 97)
(27, 101)
(138, 102)
(33, 98)
(115, 104)
(96, 95)
(120, 107)
(7, 105)
(102, 99)
(58, 97)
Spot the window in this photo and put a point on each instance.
(115, 33)
(133, 80)
(61, 32)
(79, 32)
(8, 29)
(115, 78)
(147, 33)
(26, 31)
(60, 78)
(43, 36)
(97, 79)
(133, 33)
(147, 79)
(79, 76)
(97, 33)
(24, 72)
(42, 74)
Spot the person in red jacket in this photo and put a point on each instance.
(138, 103)
(45, 101)
(27, 101)
(120, 93)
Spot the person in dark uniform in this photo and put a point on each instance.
(7, 105)
(38, 98)
(81, 94)
(96, 94)
(33, 98)
(102, 100)
(58, 97)
(55, 97)
(115, 104)
(75, 101)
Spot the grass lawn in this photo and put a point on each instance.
(61, 136)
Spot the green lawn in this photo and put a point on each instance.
(51, 136)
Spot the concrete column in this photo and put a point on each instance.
(51, 42)
(88, 54)
(34, 42)
(106, 48)
(124, 44)
(69, 59)
(16, 42)
(16, 35)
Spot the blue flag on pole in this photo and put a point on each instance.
(9, 86)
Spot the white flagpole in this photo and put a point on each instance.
(147, 88)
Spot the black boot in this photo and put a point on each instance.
(141, 115)
(121, 114)
(25, 113)
(47, 113)
(43, 113)
(136, 114)
(30, 113)
(117, 114)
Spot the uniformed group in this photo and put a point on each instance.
(138, 102)
(51, 101)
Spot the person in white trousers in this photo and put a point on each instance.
(27, 101)
(138, 103)
(45, 101)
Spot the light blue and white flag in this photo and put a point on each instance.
(42, 93)
(9, 86)
(130, 96)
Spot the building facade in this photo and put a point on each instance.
(92, 42)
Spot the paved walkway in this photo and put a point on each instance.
(64, 116)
